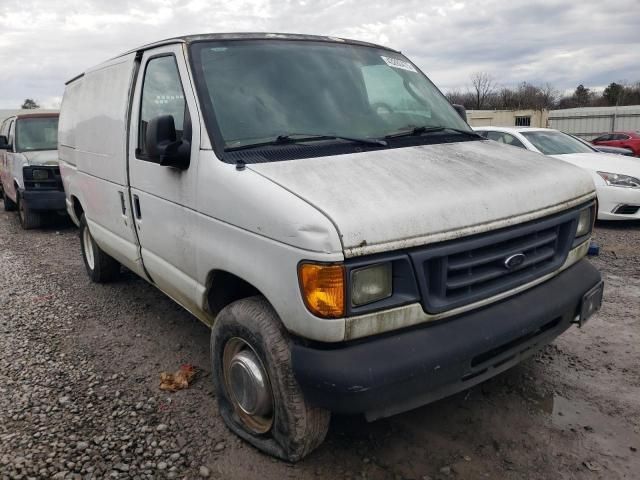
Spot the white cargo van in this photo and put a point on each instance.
(354, 245)
(29, 175)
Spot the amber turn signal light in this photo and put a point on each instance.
(322, 288)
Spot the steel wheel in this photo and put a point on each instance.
(248, 386)
(88, 248)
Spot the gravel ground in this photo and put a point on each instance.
(79, 397)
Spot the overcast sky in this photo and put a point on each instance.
(43, 43)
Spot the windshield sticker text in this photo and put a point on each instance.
(397, 63)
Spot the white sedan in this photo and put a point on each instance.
(617, 178)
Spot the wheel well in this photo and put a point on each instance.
(225, 288)
(77, 207)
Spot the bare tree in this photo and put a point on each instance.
(460, 98)
(535, 97)
(548, 96)
(483, 87)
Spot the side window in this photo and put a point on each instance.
(482, 132)
(621, 136)
(162, 94)
(603, 138)
(497, 136)
(511, 140)
(503, 137)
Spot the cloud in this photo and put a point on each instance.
(44, 43)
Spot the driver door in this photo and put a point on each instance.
(163, 197)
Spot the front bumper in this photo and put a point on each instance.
(44, 200)
(610, 198)
(401, 371)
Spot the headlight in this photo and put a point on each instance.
(619, 180)
(322, 287)
(370, 284)
(39, 174)
(584, 222)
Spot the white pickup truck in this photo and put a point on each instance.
(353, 244)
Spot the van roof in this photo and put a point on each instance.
(252, 36)
(36, 115)
(188, 39)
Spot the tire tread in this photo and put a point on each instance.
(28, 218)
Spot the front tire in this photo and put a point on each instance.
(101, 267)
(258, 396)
(28, 218)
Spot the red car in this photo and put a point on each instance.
(629, 140)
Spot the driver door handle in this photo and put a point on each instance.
(136, 207)
(123, 205)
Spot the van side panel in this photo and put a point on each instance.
(100, 131)
(93, 158)
(67, 122)
(67, 141)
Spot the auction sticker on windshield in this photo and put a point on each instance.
(397, 63)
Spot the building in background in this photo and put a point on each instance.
(587, 123)
(507, 118)
(591, 122)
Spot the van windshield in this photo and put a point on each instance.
(259, 90)
(37, 133)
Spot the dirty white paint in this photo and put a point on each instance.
(209, 217)
(260, 222)
(400, 198)
(42, 157)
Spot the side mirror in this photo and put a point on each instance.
(4, 143)
(162, 145)
(461, 111)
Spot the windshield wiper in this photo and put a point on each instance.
(417, 131)
(308, 137)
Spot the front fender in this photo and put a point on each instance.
(18, 181)
(19, 162)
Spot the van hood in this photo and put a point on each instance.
(42, 157)
(399, 198)
(604, 162)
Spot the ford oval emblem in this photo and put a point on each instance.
(514, 261)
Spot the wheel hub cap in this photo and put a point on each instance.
(248, 386)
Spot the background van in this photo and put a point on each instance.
(29, 175)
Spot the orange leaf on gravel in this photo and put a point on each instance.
(179, 380)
